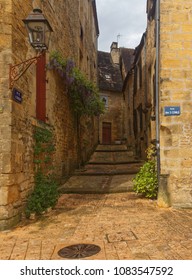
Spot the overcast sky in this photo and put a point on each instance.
(126, 18)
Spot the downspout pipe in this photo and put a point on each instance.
(157, 88)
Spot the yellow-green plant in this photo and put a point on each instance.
(146, 181)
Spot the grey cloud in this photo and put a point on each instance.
(124, 17)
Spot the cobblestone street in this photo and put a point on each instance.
(123, 225)
(103, 210)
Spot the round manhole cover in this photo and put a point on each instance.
(79, 251)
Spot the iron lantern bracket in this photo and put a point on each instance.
(17, 70)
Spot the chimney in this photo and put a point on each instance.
(115, 52)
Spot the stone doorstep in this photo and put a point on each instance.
(110, 173)
(111, 151)
(114, 163)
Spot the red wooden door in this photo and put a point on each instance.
(106, 134)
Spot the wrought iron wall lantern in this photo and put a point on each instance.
(39, 32)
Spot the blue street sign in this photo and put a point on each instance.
(172, 110)
(17, 96)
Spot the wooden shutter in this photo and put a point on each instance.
(41, 88)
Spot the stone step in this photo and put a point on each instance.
(129, 162)
(111, 148)
(98, 184)
(109, 169)
(107, 151)
(111, 157)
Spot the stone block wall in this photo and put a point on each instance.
(176, 90)
(8, 187)
(17, 120)
(128, 111)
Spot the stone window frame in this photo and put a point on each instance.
(106, 97)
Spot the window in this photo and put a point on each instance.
(105, 101)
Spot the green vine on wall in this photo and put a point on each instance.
(43, 149)
(45, 193)
(83, 93)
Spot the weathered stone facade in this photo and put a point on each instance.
(75, 36)
(174, 83)
(176, 90)
(110, 87)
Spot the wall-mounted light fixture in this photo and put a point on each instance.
(39, 32)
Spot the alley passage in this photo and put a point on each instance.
(105, 212)
(110, 170)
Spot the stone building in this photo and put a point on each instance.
(110, 88)
(166, 96)
(175, 101)
(39, 98)
(139, 96)
(126, 66)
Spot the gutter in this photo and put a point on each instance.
(157, 88)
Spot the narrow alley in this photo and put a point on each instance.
(84, 120)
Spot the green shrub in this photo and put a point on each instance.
(44, 195)
(146, 181)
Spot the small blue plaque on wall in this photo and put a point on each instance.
(172, 111)
(17, 96)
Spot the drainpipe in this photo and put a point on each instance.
(157, 87)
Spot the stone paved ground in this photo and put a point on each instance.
(103, 210)
(124, 225)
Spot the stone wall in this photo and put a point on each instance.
(176, 90)
(150, 79)
(8, 187)
(128, 111)
(17, 120)
(139, 96)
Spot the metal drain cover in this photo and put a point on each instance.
(79, 251)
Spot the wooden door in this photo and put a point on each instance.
(106, 134)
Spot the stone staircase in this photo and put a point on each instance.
(110, 169)
(111, 160)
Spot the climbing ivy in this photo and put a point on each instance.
(45, 193)
(84, 96)
(43, 149)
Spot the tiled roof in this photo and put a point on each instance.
(109, 73)
(127, 58)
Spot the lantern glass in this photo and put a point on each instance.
(39, 30)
